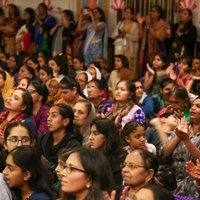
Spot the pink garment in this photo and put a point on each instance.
(129, 116)
(26, 41)
(184, 79)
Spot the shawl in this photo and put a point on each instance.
(85, 128)
(104, 105)
(57, 95)
(98, 73)
(125, 109)
(89, 78)
(45, 143)
(7, 89)
(91, 34)
(17, 118)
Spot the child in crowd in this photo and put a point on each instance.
(155, 74)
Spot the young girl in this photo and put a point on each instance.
(156, 74)
(194, 71)
(27, 176)
(133, 135)
(46, 74)
(183, 77)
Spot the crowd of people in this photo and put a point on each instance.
(70, 129)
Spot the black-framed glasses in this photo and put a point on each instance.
(31, 91)
(130, 165)
(69, 168)
(14, 141)
(174, 102)
(53, 86)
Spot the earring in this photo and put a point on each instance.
(146, 181)
(87, 186)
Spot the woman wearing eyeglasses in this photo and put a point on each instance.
(39, 93)
(62, 134)
(95, 89)
(127, 39)
(19, 107)
(54, 91)
(86, 175)
(27, 176)
(138, 170)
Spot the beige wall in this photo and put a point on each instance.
(64, 4)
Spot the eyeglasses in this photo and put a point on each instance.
(81, 81)
(91, 88)
(174, 102)
(127, 12)
(11, 60)
(14, 141)
(69, 168)
(54, 87)
(130, 165)
(31, 91)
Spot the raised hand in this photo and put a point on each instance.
(60, 24)
(140, 19)
(107, 197)
(169, 68)
(148, 20)
(150, 69)
(191, 168)
(118, 119)
(182, 131)
(169, 109)
(124, 193)
(168, 30)
(172, 75)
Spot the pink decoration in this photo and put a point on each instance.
(187, 4)
(92, 4)
(118, 4)
(48, 4)
(4, 3)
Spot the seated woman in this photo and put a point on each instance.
(54, 91)
(24, 83)
(179, 102)
(121, 72)
(84, 113)
(55, 64)
(161, 100)
(86, 181)
(95, 94)
(142, 99)
(139, 169)
(183, 142)
(70, 91)
(24, 163)
(39, 93)
(46, 74)
(78, 66)
(62, 134)
(26, 71)
(194, 70)
(104, 71)
(104, 137)
(6, 84)
(43, 61)
(33, 62)
(133, 135)
(19, 107)
(83, 78)
(125, 109)
(14, 63)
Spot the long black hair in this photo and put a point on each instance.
(96, 168)
(113, 145)
(66, 112)
(28, 159)
(31, 12)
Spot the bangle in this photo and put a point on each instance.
(192, 79)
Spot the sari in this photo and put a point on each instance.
(8, 40)
(94, 50)
(41, 33)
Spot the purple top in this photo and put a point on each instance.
(178, 197)
(41, 119)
